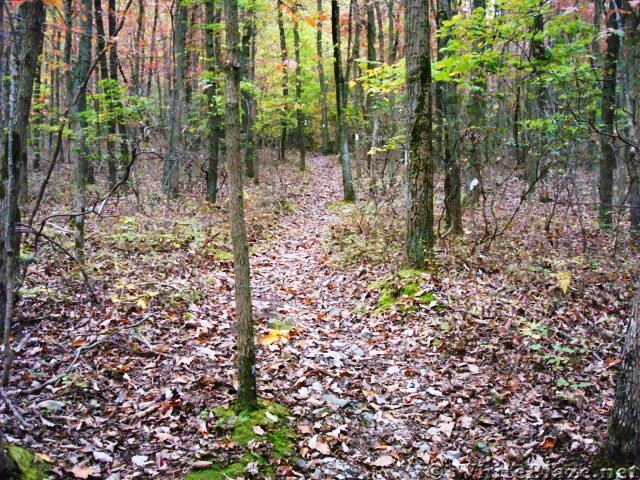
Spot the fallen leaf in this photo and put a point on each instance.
(257, 429)
(384, 461)
(43, 456)
(273, 336)
(548, 442)
(564, 280)
(140, 460)
(84, 472)
(102, 457)
(318, 445)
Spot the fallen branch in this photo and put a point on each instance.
(14, 410)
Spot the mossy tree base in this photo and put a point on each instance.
(24, 465)
(264, 435)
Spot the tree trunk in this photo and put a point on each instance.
(631, 55)
(623, 443)
(343, 142)
(246, 362)
(248, 98)
(171, 164)
(104, 76)
(420, 163)
(299, 113)
(608, 111)
(214, 120)
(24, 63)
(447, 113)
(82, 161)
(324, 117)
(285, 83)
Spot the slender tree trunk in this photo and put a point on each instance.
(393, 36)
(299, 113)
(212, 46)
(36, 132)
(82, 163)
(248, 98)
(343, 141)
(171, 165)
(420, 239)
(104, 77)
(381, 55)
(153, 51)
(324, 117)
(608, 110)
(285, 83)
(535, 160)
(631, 21)
(138, 61)
(246, 362)
(448, 120)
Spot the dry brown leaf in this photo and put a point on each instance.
(80, 471)
(316, 444)
(384, 461)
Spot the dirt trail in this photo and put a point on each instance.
(342, 374)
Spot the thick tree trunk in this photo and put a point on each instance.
(343, 141)
(25, 57)
(608, 110)
(246, 362)
(420, 163)
(623, 444)
(324, 117)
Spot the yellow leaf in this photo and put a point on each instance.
(273, 336)
(564, 280)
(54, 3)
(142, 303)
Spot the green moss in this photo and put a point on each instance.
(284, 325)
(220, 255)
(271, 418)
(27, 466)
(338, 206)
(404, 287)
(234, 470)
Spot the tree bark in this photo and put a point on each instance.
(246, 361)
(82, 159)
(299, 112)
(285, 83)
(25, 57)
(448, 119)
(343, 141)
(608, 111)
(324, 117)
(622, 446)
(248, 97)
(171, 164)
(420, 163)
(214, 120)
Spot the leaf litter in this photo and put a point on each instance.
(512, 365)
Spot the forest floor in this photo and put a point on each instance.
(495, 361)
